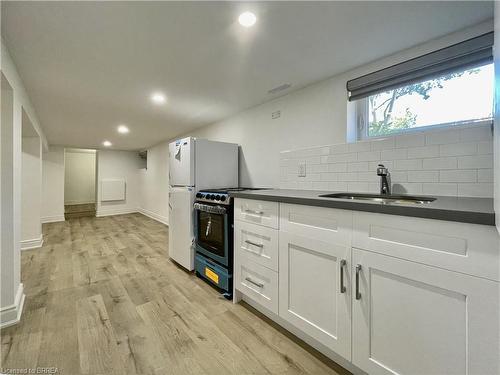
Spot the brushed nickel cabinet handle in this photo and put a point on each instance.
(254, 243)
(358, 270)
(260, 285)
(343, 263)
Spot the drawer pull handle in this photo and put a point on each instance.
(254, 243)
(343, 263)
(254, 212)
(358, 270)
(260, 285)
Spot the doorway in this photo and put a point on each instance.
(79, 183)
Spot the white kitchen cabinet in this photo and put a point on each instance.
(415, 319)
(468, 248)
(325, 224)
(257, 243)
(257, 212)
(257, 282)
(311, 296)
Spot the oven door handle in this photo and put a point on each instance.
(210, 209)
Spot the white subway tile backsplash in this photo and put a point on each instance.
(439, 188)
(485, 175)
(398, 176)
(407, 188)
(440, 162)
(475, 162)
(399, 153)
(337, 186)
(485, 147)
(458, 149)
(359, 146)
(410, 140)
(367, 177)
(337, 158)
(318, 168)
(357, 167)
(476, 133)
(329, 176)
(313, 160)
(369, 156)
(407, 165)
(382, 144)
(351, 176)
(323, 185)
(337, 167)
(458, 175)
(442, 137)
(362, 187)
(480, 190)
(339, 149)
(423, 152)
(423, 176)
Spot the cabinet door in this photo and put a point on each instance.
(415, 319)
(310, 294)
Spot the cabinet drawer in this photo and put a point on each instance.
(325, 224)
(257, 212)
(257, 282)
(257, 243)
(467, 248)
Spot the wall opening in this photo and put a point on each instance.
(79, 183)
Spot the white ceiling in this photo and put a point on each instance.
(89, 66)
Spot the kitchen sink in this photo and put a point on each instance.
(400, 199)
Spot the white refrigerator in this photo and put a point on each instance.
(195, 164)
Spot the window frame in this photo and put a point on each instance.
(362, 123)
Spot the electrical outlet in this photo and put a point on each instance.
(302, 169)
(275, 115)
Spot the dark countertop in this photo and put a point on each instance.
(461, 209)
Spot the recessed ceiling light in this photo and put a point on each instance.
(158, 98)
(107, 144)
(247, 19)
(123, 129)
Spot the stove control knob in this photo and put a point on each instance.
(212, 197)
(222, 198)
(217, 197)
(199, 195)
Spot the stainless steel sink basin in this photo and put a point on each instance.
(400, 199)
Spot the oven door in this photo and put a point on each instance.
(212, 232)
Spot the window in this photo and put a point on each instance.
(464, 96)
(447, 87)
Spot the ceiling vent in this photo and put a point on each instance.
(279, 88)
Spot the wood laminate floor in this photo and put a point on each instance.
(103, 298)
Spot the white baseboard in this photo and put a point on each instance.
(70, 203)
(115, 211)
(154, 216)
(32, 244)
(10, 315)
(52, 219)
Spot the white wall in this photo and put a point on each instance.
(154, 184)
(53, 185)
(79, 176)
(31, 210)
(12, 295)
(119, 165)
(496, 52)
(313, 116)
